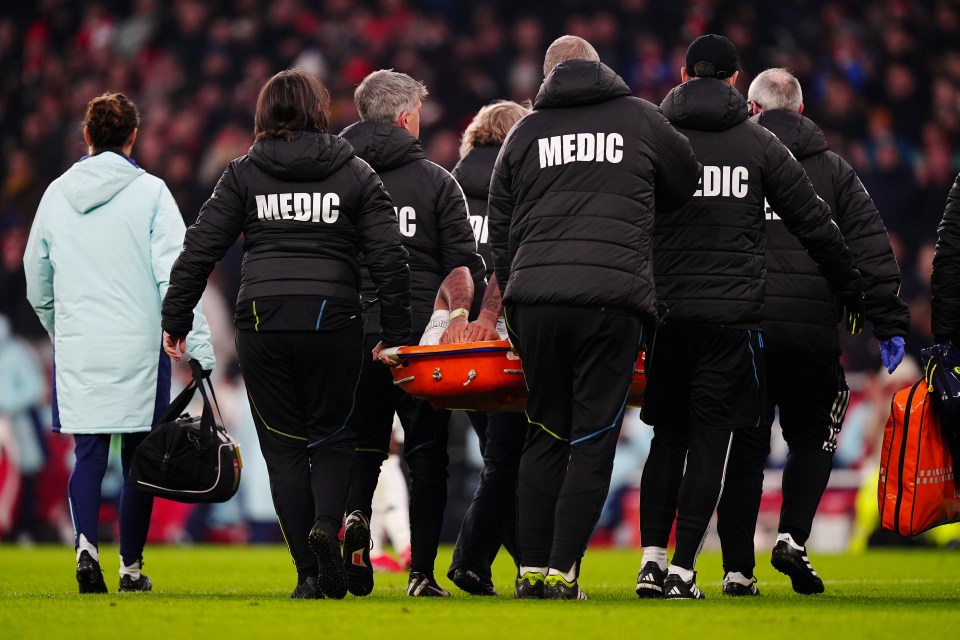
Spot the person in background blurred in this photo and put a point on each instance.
(804, 377)
(432, 219)
(491, 518)
(307, 207)
(97, 265)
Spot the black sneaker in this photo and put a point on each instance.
(674, 588)
(737, 584)
(356, 555)
(795, 564)
(556, 588)
(529, 586)
(307, 590)
(424, 586)
(332, 581)
(90, 575)
(472, 583)
(650, 580)
(141, 584)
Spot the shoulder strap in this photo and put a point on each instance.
(207, 423)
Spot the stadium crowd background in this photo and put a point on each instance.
(882, 79)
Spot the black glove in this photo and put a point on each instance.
(853, 307)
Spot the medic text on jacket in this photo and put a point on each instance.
(723, 181)
(303, 207)
(580, 147)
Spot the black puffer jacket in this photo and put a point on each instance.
(473, 173)
(573, 193)
(709, 255)
(306, 209)
(431, 210)
(800, 314)
(945, 279)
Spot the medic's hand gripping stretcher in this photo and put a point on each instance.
(482, 376)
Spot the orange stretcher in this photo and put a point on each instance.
(479, 376)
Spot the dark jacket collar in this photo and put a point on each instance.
(799, 134)
(311, 155)
(383, 146)
(704, 104)
(580, 82)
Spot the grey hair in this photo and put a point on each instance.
(385, 94)
(776, 89)
(567, 48)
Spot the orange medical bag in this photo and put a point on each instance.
(917, 489)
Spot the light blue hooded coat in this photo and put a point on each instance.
(97, 266)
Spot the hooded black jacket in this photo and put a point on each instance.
(292, 250)
(945, 279)
(709, 255)
(573, 192)
(473, 173)
(431, 210)
(800, 314)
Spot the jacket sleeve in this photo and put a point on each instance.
(205, 243)
(945, 279)
(458, 244)
(790, 193)
(863, 230)
(678, 171)
(166, 238)
(39, 270)
(385, 255)
(500, 206)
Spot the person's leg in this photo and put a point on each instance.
(83, 489)
(603, 371)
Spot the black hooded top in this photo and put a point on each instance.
(800, 314)
(945, 279)
(473, 173)
(574, 189)
(306, 208)
(709, 255)
(431, 211)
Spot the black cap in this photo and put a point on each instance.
(715, 49)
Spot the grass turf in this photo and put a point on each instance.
(241, 592)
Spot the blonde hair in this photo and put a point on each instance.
(491, 124)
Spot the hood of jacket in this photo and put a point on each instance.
(311, 155)
(704, 104)
(799, 134)
(580, 82)
(94, 181)
(383, 146)
(475, 168)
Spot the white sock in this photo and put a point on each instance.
(86, 545)
(133, 570)
(685, 574)
(569, 576)
(786, 537)
(739, 578)
(542, 570)
(655, 554)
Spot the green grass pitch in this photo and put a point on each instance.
(241, 592)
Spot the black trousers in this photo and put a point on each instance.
(301, 390)
(578, 364)
(424, 450)
(812, 396)
(703, 385)
(491, 519)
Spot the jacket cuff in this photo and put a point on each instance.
(177, 328)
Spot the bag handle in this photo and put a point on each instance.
(179, 404)
(207, 423)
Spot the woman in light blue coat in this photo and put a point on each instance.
(97, 266)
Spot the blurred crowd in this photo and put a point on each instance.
(882, 79)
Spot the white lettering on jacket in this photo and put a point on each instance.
(580, 147)
(407, 217)
(480, 228)
(301, 207)
(723, 181)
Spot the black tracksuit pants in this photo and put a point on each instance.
(301, 391)
(703, 385)
(491, 519)
(811, 393)
(578, 363)
(424, 450)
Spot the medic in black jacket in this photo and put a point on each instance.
(945, 279)
(804, 378)
(306, 206)
(705, 371)
(571, 212)
(435, 229)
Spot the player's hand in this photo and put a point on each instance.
(455, 331)
(480, 330)
(386, 358)
(174, 347)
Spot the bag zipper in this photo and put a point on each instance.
(903, 456)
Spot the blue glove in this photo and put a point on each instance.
(891, 352)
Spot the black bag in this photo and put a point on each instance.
(942, 375)
(188, 459)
